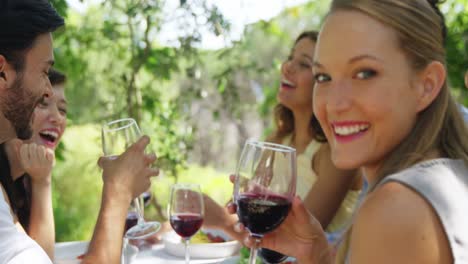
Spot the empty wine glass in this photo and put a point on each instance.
(186, 210)
(264, 188)
(117, 136)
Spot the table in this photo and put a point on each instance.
(67, 252)
(157, 255)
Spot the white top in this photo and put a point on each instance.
(306, 176)
(17, 247)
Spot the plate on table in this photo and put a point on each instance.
(202, 249)
(68, 252)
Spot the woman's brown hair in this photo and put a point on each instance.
(283, 116)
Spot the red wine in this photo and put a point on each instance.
(186, 225)
(131, 220)
(261, 214)
(271, 257)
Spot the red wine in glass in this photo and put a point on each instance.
(261, 214)
(186, 225)
(270, 256)
(131, 220)
(186, 210)
(264, 188)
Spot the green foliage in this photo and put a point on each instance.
(61, 6)
(77, 184)
(457, 46)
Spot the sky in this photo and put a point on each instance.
(238, 12)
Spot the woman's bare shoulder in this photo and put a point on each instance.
(397, 225)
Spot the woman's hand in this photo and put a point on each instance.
(300, 236)
(216, 216)
(37, 161)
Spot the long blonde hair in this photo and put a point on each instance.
(421, 32)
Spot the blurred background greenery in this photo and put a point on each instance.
(198, 105)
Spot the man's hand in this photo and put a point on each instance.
(129, 174)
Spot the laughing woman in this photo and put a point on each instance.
(383, 102)
(29, 189)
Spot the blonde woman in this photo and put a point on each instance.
(381, 97)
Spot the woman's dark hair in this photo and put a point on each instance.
(56, 77)
(283, 116)
(21, 22)
(18, 191)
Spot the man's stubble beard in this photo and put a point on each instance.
(18, 106)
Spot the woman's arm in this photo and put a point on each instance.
(327, 194)
(218, 217)
(41, 221)
(37, 161)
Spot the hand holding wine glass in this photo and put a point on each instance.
(264, 188)
(186, 212)
(119, 137)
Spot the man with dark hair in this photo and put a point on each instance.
(26, 56)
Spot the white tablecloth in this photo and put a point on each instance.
(157, 255)
(67, 252)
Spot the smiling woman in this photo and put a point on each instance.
(50, 116)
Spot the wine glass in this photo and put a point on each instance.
(269, 256)
(186, 210)
(117, 136)
(264, 188)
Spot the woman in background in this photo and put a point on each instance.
(329, 193)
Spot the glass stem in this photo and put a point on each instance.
(253, 251)
(187, 253)
(140, 211)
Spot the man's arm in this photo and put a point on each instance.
(107, 238)
(124, 179)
